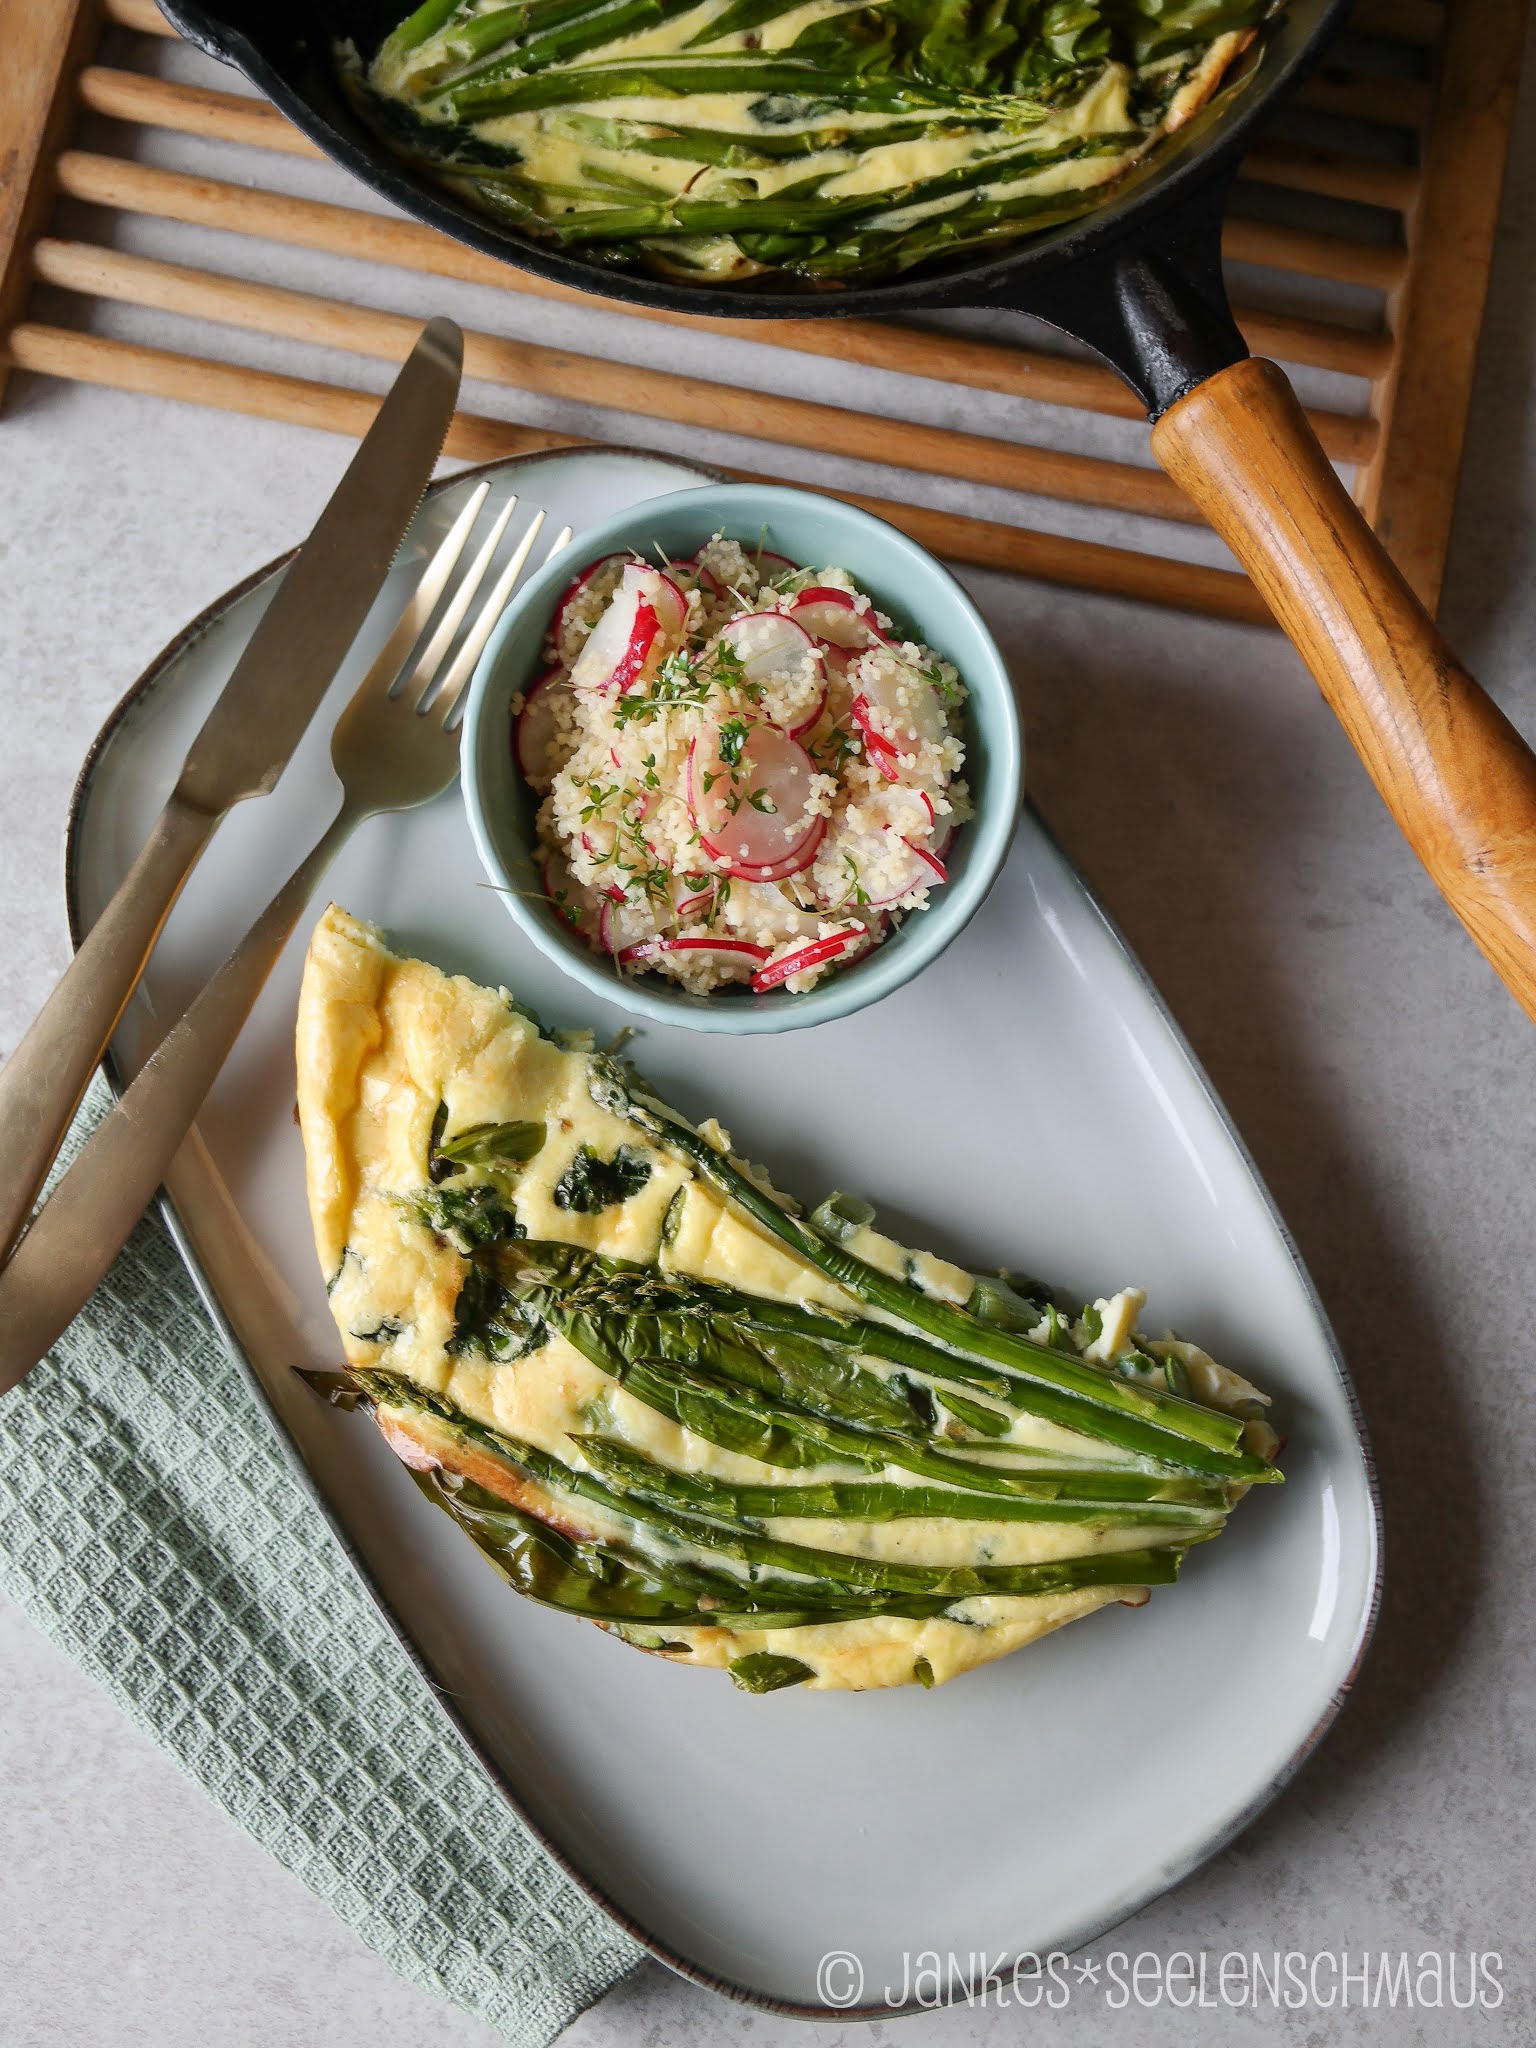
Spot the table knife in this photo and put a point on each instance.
(244, 746)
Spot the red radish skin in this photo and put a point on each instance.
(653, 949)
(570, 597)
(622, 647)
(664, 596)
(767, 644)
(904, 721)
(694, 902)
(835, 659)
(831, 614)
(804, 957)
(751, 840)
(881, 750)
(812, 719)
(795, 862)
(916, 869)
(774, 568)
(930, 861)
(533, 734)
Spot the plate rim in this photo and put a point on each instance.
(183, 1236)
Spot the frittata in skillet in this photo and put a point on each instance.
(718, 141)
(658, 1394)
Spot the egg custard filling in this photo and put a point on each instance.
(719, 141)
(657, 1393)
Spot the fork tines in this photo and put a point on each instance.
(426, 683)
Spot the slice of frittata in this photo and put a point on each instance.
(657, 1394)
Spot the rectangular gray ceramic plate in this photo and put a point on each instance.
(1026, 1102)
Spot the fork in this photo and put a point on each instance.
(395, 746)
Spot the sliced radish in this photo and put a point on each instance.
(752, 838)
(816, 954)
(692, 902)
(623, 647)
(773, 568)
(585, 595)
(910, 871)
(897, 710)
(795, 862)
(831, 614)
(812, 717)
(533, 735)
(835, 659)
(882, 751)
(660, 592)
(654, 949)
(767, 644)
(930, 860)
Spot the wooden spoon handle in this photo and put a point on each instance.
(1453, 771)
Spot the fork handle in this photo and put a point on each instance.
(42, 1082)
(90, 1215)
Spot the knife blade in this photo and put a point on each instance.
(303, 636)
(243, 747)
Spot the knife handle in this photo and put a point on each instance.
(90, 1214)
(42, 1082)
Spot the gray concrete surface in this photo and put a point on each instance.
(1385, 1083)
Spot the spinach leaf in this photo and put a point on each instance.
(762, 1671)
(488, 1323)
(470, 1218)
(591, 1183)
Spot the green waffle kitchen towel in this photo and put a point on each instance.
(152, 1526)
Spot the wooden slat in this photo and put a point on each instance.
(217, 116)
(1433, 288)
(1373, 99)
(1409, 491)
(1365, 181)
(1409, 21)
(912, 351)
(1373, 266)
(235, 118)
(41, 48)
(1420, 22)
(1087, 565)
(622, 387)
(142, 15)
(202, 110)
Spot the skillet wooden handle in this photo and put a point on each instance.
(1453, 771)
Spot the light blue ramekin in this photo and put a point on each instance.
(921, 597)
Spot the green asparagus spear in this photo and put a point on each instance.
(671, 1523)
(605, 1583)
(1192, 1435)
(1061, 1498)
(764, 74)
(417, 29)
(934, 70)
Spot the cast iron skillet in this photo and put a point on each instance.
(1139, 280)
